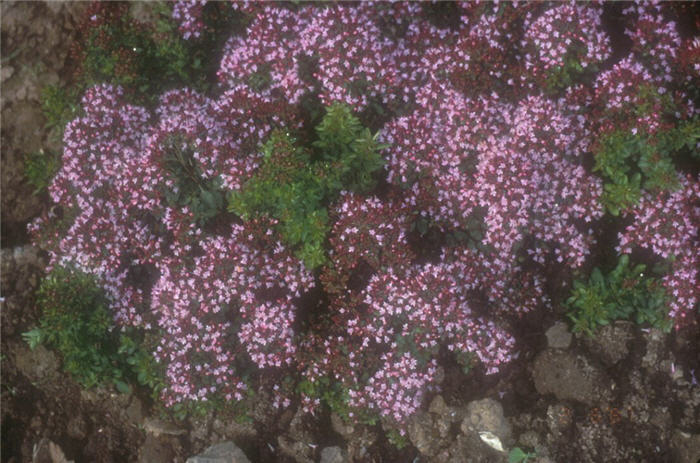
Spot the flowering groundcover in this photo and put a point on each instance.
(370, 187)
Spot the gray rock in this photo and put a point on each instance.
(134, 412)
(468, 449)
(532, 440)
(298, 443)
(39, 364)
(46, 451)
(486, 416)
(611, 342)
(333, 455)
(570, 377)
(232, 429)
(199, 427)
(428, 433)
(438, 406)
(341, 427)
(686, 447)
(224, 452)
(558, 336)
(143, 12)
(361, 439)
(298, 451)
(656, 351)
(297, 429)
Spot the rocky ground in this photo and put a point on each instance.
(627, 395)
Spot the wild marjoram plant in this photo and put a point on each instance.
(318, 279)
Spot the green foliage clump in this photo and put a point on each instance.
(348, 152)
(623, 294)
(559, 78)
(337, 398)
(59, 106)
(40, 167)
(632, 163)
(294, 185)
(76, 321)
(148, 59)
(136, 352)
(396, 439)
(204, 197)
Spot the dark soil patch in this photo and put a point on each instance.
(14, 234)
(614, 24)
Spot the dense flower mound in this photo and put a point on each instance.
(489, 117)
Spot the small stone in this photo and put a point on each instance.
(569, 377)
(6, 72)
(224, 452)
(558, 336)
(333, 455)
(439, 375)
(655, 349)
(298, 451)
(686, 447)
(486, 416)
(610, 342)
(438, 406)
(559, 417)
(134, 411)
(344, 429)
(529, 439)
(38, 364)
(46, 451)
(232, 429)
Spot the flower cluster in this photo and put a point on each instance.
(368, 235)
(398, 389)
(567, 35)
(188, 15)
(667, 225)
(267, 58)
(411, 316)
(487, 120)
(541, 149)
(636, 94)
(654, 40)
(98, 235)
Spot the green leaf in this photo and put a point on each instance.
(516, 455)
(33, 337)
(122, 386)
